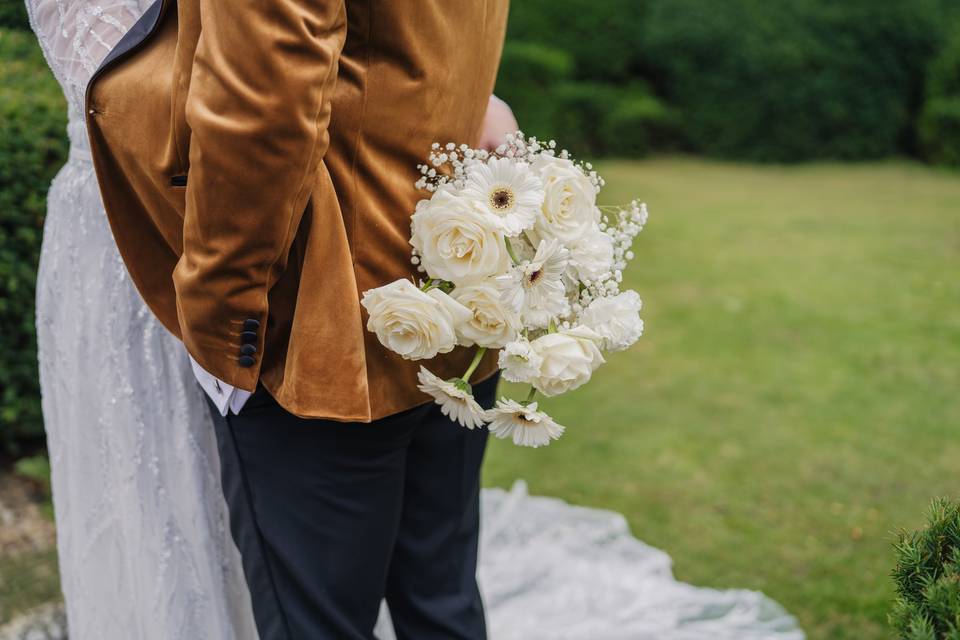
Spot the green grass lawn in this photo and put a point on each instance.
(27, 581)
(795, 398)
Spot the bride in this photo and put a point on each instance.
(143, 540)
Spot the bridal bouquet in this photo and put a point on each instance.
(516, 256)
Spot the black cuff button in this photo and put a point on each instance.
(250, 324)
(248, 349)
(248, 337)
(246, 361)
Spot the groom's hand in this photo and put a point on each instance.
(497, 123)
(258, 108)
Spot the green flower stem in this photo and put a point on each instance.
(553, 327)
(473, 365)
(510, 252)
(530, 396)
(430, 284)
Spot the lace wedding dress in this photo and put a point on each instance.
(144, 544)
(145, 550)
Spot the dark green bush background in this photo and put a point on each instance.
(755, 80)
(32, 148)
(939, 124)
(775, 80)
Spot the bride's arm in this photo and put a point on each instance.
(497, 123)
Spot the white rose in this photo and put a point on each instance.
(415, 324)
(519, 362)
(456, 240)
(591, 256)
(569, 208)
(493, 323)
(569, 359)
(616, 319)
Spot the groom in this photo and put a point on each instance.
(256, 161)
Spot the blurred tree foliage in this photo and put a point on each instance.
(747, 79)
(33, 146)
(571, 70)
(939, 125)
(13, 14)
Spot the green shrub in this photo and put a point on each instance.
(777, 81)
(939, 123)
(943, 78)
(32, 148)
(939, 128)
(13, 15)
(927, 578)
(528, 75)
(582, 107)
(601, 38)
(638, 125)
(587, 118)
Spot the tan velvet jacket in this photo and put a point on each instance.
(256, 160)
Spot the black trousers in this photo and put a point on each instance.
(330, 517)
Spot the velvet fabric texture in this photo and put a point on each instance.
(256, 162)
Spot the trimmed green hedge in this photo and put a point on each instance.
(33, 147)
(744, 79)
(600, 37)
(529, 74)
(939, 125)
(777, 81)
(586, 117)
(940, 131)
(638, 125)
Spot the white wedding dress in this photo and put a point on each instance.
(145, 550)
(142, 532)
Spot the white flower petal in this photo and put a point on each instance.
(492, 322)
(527, 426)
(569, 359)
(414, 324)
(455, 403)
(509, 190)
(519, 362)
(569, 207)
(536, 287)
(455, 240)
(616, 319)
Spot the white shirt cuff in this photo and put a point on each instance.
(224, 396)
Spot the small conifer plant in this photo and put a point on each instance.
(927, 577)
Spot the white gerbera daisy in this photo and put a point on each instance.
(508, 189)
(455, 398)
(527, 426)
(535, 288)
